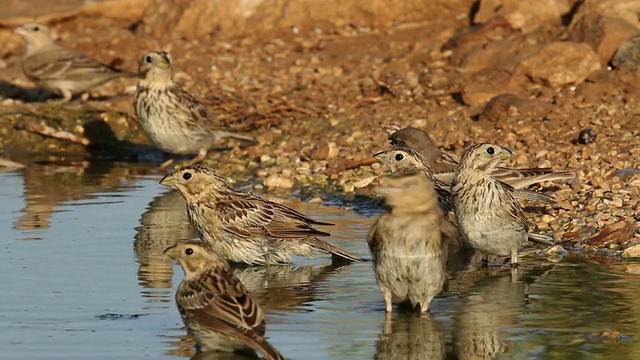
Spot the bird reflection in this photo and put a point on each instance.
(47, 187)
(493, 303)
(279, 288)
(406, 335)
(163, 224)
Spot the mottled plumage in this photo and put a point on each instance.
(243, 227)
(488, 216)
(444, 165)
(215, 306)
(409, 250)
(173, 119)
(58, 69)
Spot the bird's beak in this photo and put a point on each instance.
(163, 64)
(171, 251)
(20, 30)
(168, 181)
(505, 154)
(382, 156)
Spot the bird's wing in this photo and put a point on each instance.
(60, 63)
(220, 301)
(250, 215)
(512, 206)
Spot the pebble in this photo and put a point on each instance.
(278, 181)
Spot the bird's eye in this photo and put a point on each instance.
(189, 251)
(148, 59)
(37, 28)
(186, 176)
(490, 151)
(399, 157)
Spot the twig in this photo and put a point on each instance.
(351, 165)
(51, 132)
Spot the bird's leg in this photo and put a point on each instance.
(388, 305)
(165, 164)
(66, 95)
(201, 155)
(514, 258)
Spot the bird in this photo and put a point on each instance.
(244, 227)
(444, 165)
(408, 247)
(407, 158)
(215, 306)
(58, 69)
(174, 120)
(488, 215)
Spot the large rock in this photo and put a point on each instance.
(503, 107)
(623, 9)
(523, 15)
(628, 55)
(605, 34)
(192, 19)
(561, 63)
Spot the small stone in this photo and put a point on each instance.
(277, 180)
(628, 55)
(613, 234)
(265, 158)
(586, 136)
(320, 151)
(556, 250)
(631, 252)
(316, 200)
(363, 182)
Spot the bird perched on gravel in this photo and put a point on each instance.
(243, 227)
(58, 69)
(408, 245)
(173, 119)
(444, 165)
(215, 306)
(488, 216)
(400, 158)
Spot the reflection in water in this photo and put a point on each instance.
(407, 335)
(163, 224)
(280, 288)
(493, 304)
(47, 187)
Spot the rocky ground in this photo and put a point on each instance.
(315, 82)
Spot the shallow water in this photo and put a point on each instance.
(84, 277)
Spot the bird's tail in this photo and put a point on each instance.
(541, 239)
(335, 251)
(246, 139)
(269, 351)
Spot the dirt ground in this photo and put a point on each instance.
(317, 88)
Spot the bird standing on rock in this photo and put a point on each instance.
(407, 242)
(489, 217)
(58, 69)
(243, 227)
(173, 119)
(444, 165)
(215, 306)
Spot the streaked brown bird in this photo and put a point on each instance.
(408, 247)
(58, 69)
(489, 217)
(214, 305)
(174, 120)
(444, 165)
(243, 227)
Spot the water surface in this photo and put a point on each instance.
(84, 278)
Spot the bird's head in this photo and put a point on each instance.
(194, 256)
(403, 158)
(155, 66)
(195, 181)
(35, 35)
(484, 157)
